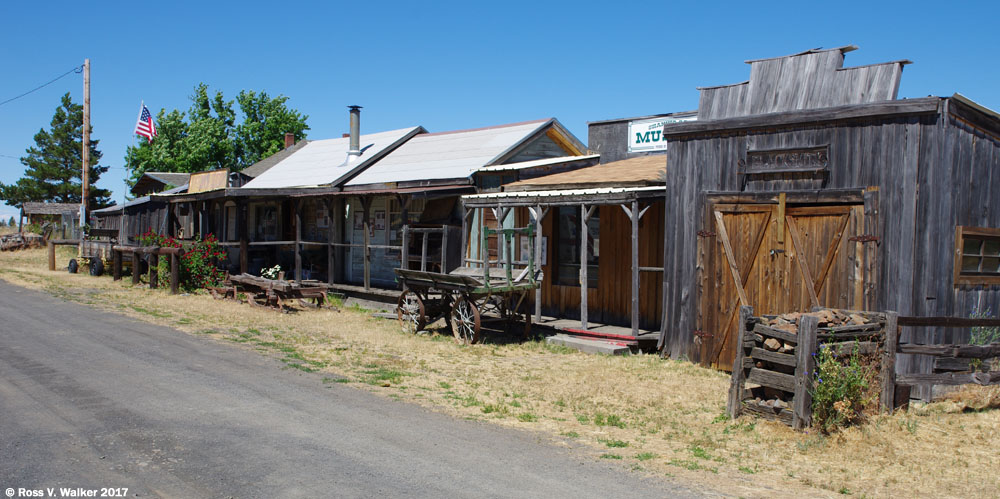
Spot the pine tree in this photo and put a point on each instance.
(54, 164)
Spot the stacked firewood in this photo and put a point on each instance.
(830, 322)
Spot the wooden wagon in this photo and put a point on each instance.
(464, 295)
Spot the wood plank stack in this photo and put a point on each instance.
(20, 240)
(776, 354)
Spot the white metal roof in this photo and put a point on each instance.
(538, 162)
(323, 162)
(563, 192)
(447, 155)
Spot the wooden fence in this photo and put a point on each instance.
(954, 364)
(788, 374)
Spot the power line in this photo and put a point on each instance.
(76, 69)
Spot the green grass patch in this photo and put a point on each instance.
(688, 465)
(498, 409)
(527, 417)
(602, 419)
(645, 456)
(699, 452)
(570, 434)
(613, 443)
(610, 456)
(379, 375)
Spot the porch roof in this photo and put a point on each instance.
(593, 195)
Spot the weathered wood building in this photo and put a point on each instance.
(812, 184)
(334, 209)
(600, 250)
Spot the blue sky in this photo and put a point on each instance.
(453, 65)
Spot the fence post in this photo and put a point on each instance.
(805, 364)
(135, 268)
(52, 255)
(888, 367)
(175, 274)
(735, 404)
(116, 264)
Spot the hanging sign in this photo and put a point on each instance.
(647, 135)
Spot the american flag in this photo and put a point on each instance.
(145, 126)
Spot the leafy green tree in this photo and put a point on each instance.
(12, 222)
(54, 164)
(208, 136)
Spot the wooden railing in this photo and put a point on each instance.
(953, 363)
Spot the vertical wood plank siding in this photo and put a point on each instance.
(932, 172)
(611, 301)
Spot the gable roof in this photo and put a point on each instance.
(42, 208)
(458, 154)
(633, 172)
(254, 170)
(147, 182)
(324, 162)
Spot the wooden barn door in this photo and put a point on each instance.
(775, 262)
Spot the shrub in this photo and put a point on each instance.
(983, 335)
(840, 389)
(197, 268)
(271, 273)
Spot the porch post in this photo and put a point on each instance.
(331, 261)
(365, 205)
(404, 227)
(171, 219)
(297, 207)
(339, 225)
(584, 215)
(241, 226)
(634, 215)
(466, 212)
(539, 215)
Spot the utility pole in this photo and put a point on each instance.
(86, 140)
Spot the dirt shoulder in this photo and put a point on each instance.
(654, 416)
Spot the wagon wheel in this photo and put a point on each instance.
(513, 316)
(444, 303)
(410, 312)
(465, 320)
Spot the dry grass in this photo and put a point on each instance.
(658, 416)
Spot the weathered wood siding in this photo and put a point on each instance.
(932, 171)
(610, 301)
(806, 81)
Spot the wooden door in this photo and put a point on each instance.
(775, 262)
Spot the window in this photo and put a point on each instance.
(977, 255)
(567, 246)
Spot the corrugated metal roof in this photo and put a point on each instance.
(254, 170)
(562, 192)
(447, 155)
(641, 170)
(538, 162)
(323, 162)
